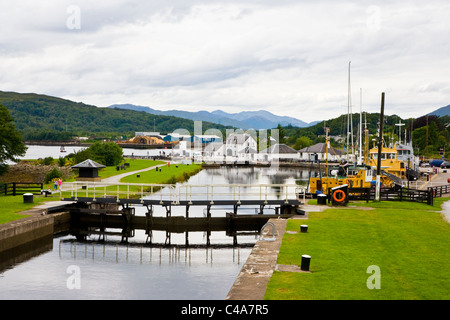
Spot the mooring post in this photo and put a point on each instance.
(380, 146)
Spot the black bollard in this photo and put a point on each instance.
(305, 262)
(28, 198)
(304, 228)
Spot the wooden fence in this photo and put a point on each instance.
(20, 188)
(394, 194)
(440, 191)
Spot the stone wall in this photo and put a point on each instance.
(22, 231)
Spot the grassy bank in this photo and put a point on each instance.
(168, 174)
(10, 206)
(134, 165)
(408, 241)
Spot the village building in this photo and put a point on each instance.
(279, 152)
(88, 170)
(241, 146)
(172, 137)
(319, 149)
(205, 138)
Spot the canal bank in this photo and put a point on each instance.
(262, 262)
(38, 224)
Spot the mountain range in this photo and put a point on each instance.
(444, 111)
(245, 120)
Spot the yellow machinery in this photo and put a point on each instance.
(353, 176)
(389, 162)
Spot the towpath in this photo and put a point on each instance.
(118, 177)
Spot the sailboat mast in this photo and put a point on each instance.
(366, 142)
(360, 127)
(349, 114)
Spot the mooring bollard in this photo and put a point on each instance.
(303, 228)
(28, 198)
(305, 262)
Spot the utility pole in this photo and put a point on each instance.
(380, 146)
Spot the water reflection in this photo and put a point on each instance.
(252, 175)
(25, 252)
(135, 270)
(72, 250)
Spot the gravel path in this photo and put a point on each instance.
(116, 178)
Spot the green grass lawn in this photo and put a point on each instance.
(11, 205)
(165, 175)
(409, 242)
(135, 164)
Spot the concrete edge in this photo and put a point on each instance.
(255, 274)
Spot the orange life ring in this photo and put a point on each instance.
(339, 199)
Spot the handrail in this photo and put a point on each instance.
(183, 192)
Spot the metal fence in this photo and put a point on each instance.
(177, 193)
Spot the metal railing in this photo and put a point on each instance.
(176, 193)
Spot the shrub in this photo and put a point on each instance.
(62, 161)
(54, 174)
(48, 161)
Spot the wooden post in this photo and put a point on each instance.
(380, 146)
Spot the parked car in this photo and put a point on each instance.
(445, 164)
(436, 162)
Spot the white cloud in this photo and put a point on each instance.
(289, 57)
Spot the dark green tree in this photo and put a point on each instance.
(427, 137)
(106, 153)
(11, 145)
(302, 142)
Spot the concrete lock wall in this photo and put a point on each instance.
(25, 230)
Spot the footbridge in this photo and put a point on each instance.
(97, 206)
(184, 194)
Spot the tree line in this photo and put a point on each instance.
(45, 118)
(429, 134)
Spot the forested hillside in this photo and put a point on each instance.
(41, 117)
(429, 133)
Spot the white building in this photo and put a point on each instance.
(240, 144)
(320, 150)
(238, 147)
(279, 152)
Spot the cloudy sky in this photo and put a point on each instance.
(288, 57)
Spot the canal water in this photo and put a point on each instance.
(63, 268)
(36, 151)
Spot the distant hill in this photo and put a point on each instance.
(42, 117)
(444, 111)
(244, 120)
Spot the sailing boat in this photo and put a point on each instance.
(396, 160)
(352, 174)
